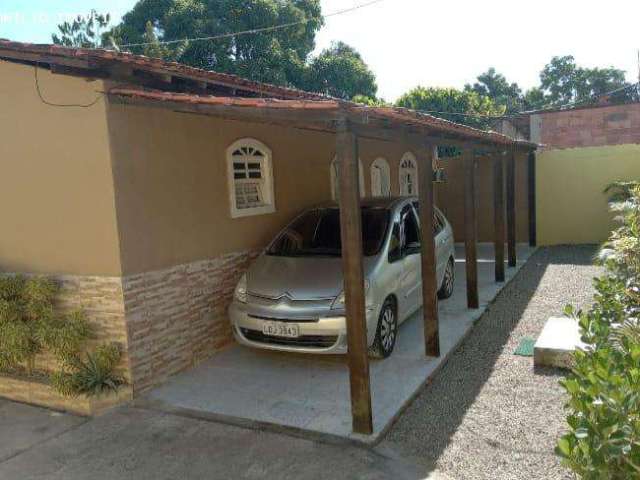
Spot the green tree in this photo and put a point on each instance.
(83, 32)
(467, 107)
(370, 101)
(563, 82)
(495, 86)
(339, 71)
(155, 49)
(534, 99)
(277, 56)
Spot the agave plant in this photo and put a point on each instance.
(93, 375)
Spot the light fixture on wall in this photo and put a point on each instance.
(439, 175)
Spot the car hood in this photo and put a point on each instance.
(301, 278)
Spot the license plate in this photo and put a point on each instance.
(281, 329)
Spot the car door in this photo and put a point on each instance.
(442, 244)
(411, 280)
(442, 241)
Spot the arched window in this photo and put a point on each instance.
(334, 179)
(380, 178)
(250, 177)
(408, 175)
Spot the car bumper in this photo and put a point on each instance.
(327, 335)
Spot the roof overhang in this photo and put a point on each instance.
(154, 82)
(383, 123)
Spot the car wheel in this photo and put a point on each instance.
(446, 289)
(386, 332)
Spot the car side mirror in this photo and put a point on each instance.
(412, 248)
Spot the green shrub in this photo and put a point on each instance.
(95, 374)
(65, 335)
(29, 325)
(603, 441)
(26, 312)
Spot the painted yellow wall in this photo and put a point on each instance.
(56, 190)
(571, 207)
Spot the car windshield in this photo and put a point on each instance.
(317, 233)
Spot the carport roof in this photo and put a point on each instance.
(390, 116)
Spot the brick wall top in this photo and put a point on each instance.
(588, 127)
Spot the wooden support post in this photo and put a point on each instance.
(428, 258)
(498, 213)
(531, 180)
(351, 235)
(511, 207)
(470, 228)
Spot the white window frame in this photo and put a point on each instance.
(408, 157)
(266, 168)
(333, 174)
(380, 164)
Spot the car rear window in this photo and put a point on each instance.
(317, 233)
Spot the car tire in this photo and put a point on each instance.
(386, 331)
(446, 289)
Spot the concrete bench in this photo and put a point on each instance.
(557, 342)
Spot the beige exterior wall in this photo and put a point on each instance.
(450, 197)
(571, 206)
(173, 199)
(56, 188)
(171, 183)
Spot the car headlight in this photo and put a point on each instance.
(339, 301)
(240, 293)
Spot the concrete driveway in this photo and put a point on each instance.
(132, 443)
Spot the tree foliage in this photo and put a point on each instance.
(83, 32)
(564, 82)
(604, 388)
(155, 49)
(461, 106)
(339, 71)
(277, 56)
(281, 57)
(495, 86)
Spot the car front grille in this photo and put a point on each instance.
(306, 341)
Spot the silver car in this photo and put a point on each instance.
(292, 297)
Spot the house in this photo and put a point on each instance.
(146, 187)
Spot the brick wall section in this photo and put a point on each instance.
(176, 317)
(589, 127)
(166, 320)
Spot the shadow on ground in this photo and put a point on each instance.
(479, 407)
(486, 415)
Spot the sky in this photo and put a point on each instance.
(426, 42)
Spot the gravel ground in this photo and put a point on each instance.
(487, 414)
